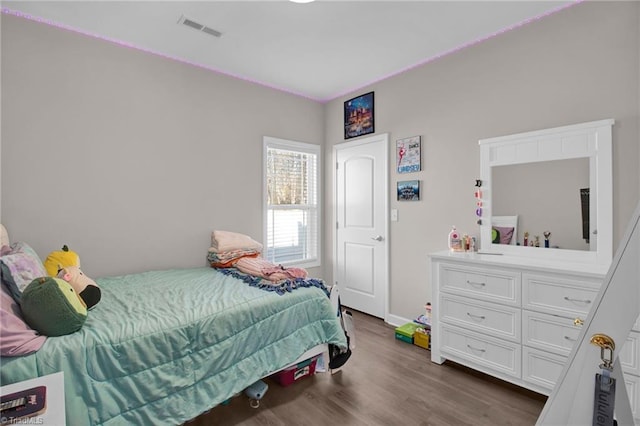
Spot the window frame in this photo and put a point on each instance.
(307, 148)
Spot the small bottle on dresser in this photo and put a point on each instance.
(455, 241)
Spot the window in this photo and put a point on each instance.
(291, 193)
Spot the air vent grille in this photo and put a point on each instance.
(196, 26)
(211, 31)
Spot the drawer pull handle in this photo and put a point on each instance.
(571, 339)
(476, 284)
(476, 316)
(569, 299)
(476, 349)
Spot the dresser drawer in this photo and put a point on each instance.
(541, 368)
(629, 356)
(490, 318)
(549, 332)
(633, 390)
(496, 354)
(493, 285)
(558, 296)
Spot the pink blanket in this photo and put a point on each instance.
(259, 267)
(16, 337)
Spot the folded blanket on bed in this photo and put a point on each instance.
(259, 267)
(227, 241)
(282, 287)
(227, 259)
(280, 272)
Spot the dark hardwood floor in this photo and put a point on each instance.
(386, 382)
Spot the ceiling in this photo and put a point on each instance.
(319, 50)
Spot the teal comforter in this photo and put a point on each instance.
(164, 346)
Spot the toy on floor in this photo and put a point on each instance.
(255, 392)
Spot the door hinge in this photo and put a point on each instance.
(337, 165)
(337, 225)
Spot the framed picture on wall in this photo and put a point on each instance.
(358, 116)
(409, 190)
(408, 155)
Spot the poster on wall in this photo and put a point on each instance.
(409, 190)
(358, 116)
(408, 155)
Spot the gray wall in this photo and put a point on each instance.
(131, 159)
(578, 65)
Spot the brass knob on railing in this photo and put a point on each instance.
(603, 341)
(578, 321)
(607, 346)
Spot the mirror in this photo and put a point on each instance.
(523, 189)
(542, 177)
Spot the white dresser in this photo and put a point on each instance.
(513, 317)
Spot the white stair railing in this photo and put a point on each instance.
(614, 312)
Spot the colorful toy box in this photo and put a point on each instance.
(422, 338)
(302, 369)
(405, 332)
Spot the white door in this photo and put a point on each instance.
(362, 246)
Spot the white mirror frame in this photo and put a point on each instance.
(592, 140)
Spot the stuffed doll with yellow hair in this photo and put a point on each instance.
(60, 259)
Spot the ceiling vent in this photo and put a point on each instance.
(196, 26)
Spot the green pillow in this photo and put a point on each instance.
(52, 307)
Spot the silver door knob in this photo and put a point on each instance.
(378, 238)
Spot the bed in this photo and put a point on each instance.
(162, 347)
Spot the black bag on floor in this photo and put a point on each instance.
(339, 356)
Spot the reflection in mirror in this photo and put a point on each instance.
(504, 229)
(546, 196)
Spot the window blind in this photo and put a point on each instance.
(292, 211)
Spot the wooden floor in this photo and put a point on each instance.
(386, 382)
